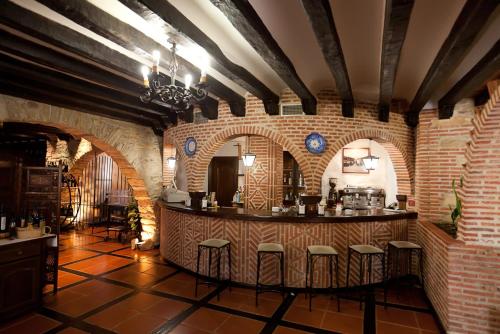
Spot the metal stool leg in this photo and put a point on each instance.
(257, 284)
(307, 273)
(331, 275)
(311, 283)
(384, 280)
(197, 271)
(348, 267)
(361, 272)
(219, 255)
(369, 269)
(229, 263)
(209, 264)
(282, 270)
(338, 282)
(421, 267)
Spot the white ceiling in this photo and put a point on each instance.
(359, 24)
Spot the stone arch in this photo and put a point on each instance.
(107, 135)
(197, 166)
(480, 223)
(399, 156)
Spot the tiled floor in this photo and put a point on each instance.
(106, 287)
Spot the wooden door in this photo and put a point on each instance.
(223, 179)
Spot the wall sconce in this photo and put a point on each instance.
(171, 162)
(248, 159)
(370, 161)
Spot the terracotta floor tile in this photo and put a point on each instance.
(390, 328)
(141, 301)
(344, 323)
(206, 319)
(32, 324)
(240, 325)
(288, 330)
(301, 315)
(244, 300)
(397, 316)
(183, 285)
(66, 278)
(137, 254)
(132, 277)
(319, 302)
(111, 317)
(74, 254)
(72, 330)
(139, 323)
(167, 308)
(182, 329)
(106, 246)
(99, 265)
(426, 321)
(349, 307)
(84, 297)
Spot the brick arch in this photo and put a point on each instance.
(197, 166)
(103, 133)
(79, 165)
(480, 222)
(400, 157)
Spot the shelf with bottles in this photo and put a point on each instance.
(293, 178)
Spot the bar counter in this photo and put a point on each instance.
(182, 228)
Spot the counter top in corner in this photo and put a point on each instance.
(331, 216)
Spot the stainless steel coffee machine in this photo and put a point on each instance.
(363, 198)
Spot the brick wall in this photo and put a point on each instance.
(461, 276)
(290, 132)
(263, 181)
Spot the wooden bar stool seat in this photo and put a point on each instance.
(313, 253)
(217, 245)
(277, 250)
(366, 251)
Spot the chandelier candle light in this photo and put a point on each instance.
(164, 89)
(370, 161)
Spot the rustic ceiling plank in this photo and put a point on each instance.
(93, 18)
(320, 16)
(397, 18)
(245, 19)
(485, 69)
(166, 12)
(469, 23)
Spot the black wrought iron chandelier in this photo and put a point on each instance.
(164, 89)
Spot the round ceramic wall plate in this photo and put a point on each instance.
(190, 146)
(315, 143)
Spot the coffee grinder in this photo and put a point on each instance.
(332, 194)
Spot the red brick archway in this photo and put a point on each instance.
(399, 156)
(197, 166)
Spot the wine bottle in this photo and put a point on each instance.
(3, 219)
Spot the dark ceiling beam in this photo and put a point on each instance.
(93, 18)
(320, 16)
(10, 85)
(485, 69)
(397, 18)
(74, 42)
(57, 79)
(472, 19)
(166, 12)
(245, 19)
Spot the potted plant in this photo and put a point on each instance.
(134, 219)
(455, 212)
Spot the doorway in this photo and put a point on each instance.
(223, 179)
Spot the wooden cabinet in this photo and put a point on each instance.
(21, 277)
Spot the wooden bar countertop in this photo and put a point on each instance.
(331, 216)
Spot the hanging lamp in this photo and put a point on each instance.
(370, 161)
(248, 158)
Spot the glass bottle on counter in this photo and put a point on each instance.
(204, 202)
(3, 219)
(12, 228)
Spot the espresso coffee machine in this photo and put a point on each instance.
(363, 198)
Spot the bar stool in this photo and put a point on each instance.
(333, 256)
(218, 245)
(366, 251)
(395, 249)
(275, 250)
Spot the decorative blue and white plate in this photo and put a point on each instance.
(315, 143)
(190, 146)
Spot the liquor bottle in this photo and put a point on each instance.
(12, 228)
(301, 180)
(290, 179)
(3, 219)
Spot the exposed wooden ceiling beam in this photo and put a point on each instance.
(485, 69)
(397, 17)
(10, 84)
(93, 18)
(469, 23)
(246, 20)
(74, 42)
(320, 16)
(166, 12)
